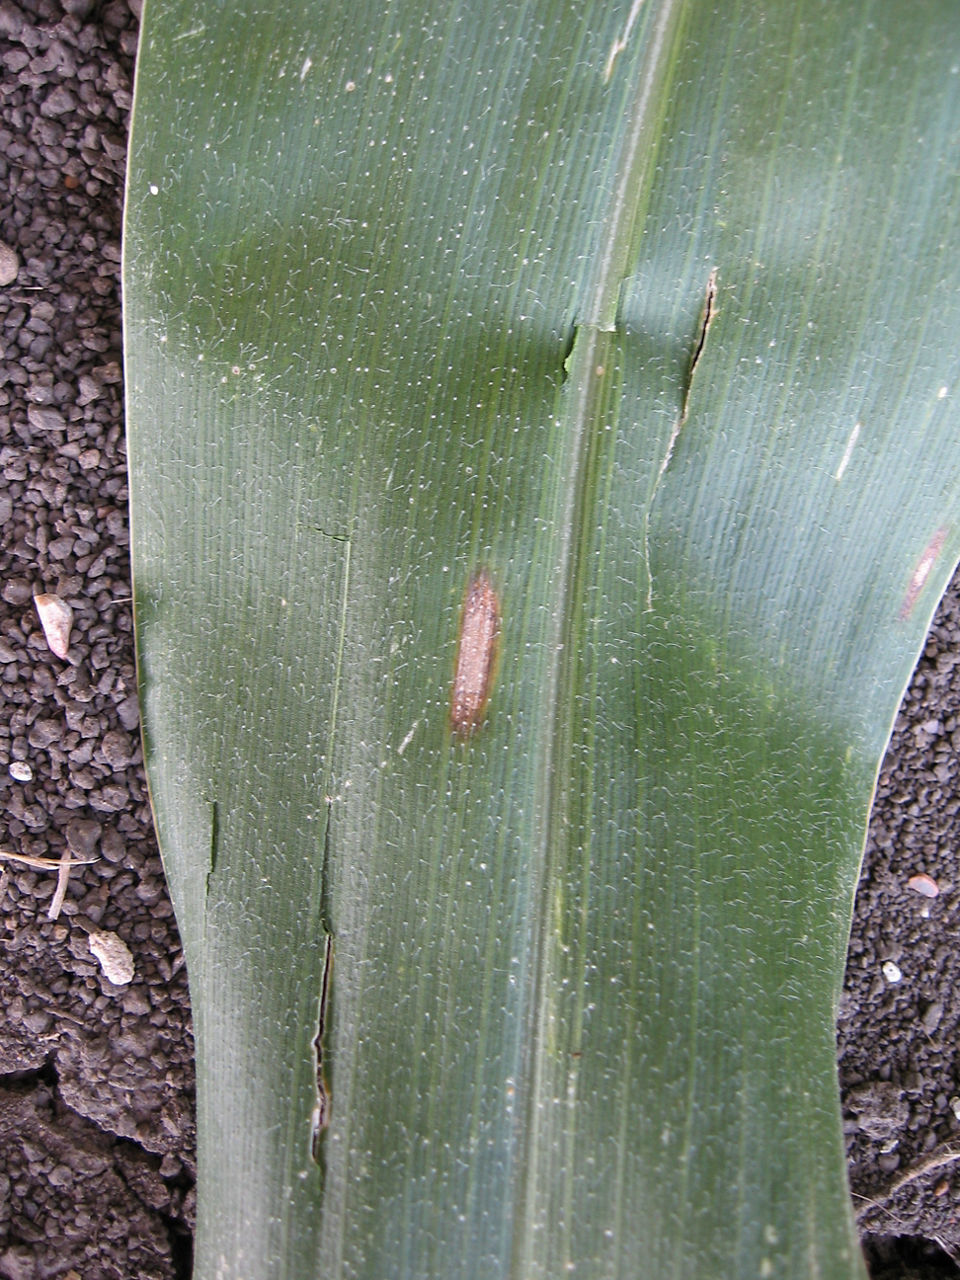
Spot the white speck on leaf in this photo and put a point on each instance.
(848, 451)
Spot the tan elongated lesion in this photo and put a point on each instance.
(926, 562)
(476, 654)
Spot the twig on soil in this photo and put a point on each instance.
(947, 1250)
(934, 1161)
(43, 864)
(62, 866)
(63, 878)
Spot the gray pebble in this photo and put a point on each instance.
(43, 732)
(112, 846)
(110, 799)
(11, 19)
(117, 749)
(90, 389)
(128, 713)
(60, 1176)
(59, 102)
(17, 591)
(932, 1016)
(83, 836)
(42, 418)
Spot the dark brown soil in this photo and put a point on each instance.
(898, 1041)
(96, 1125)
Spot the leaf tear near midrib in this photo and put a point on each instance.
(707, 314)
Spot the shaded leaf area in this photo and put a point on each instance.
(424, 292)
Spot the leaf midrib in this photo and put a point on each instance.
(593, 346)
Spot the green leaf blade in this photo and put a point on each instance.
(422, 292)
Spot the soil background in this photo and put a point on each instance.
(96, 1078)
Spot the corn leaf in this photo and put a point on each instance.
(643, 320)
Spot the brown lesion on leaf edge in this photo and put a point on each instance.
(918, 580)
